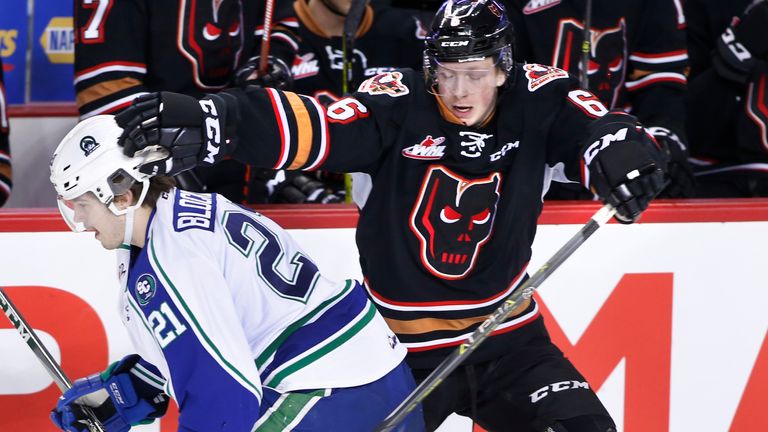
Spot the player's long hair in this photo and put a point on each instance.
(157, 186)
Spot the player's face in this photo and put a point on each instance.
(96, 217)
(469, 89)
(341, 5)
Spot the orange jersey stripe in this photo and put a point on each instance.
(304, 132)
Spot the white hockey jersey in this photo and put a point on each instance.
(223, 301)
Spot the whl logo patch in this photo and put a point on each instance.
(305, 66)
(428, 149)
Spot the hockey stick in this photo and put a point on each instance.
(264, 54)
(49, 363)
(522, 292)
(351, 24)
(586, 47)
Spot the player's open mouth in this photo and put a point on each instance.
(461, 109)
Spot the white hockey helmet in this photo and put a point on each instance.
(89, 159)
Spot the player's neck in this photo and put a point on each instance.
(332, 24)
(140, 221)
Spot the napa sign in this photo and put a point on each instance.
(58, 40)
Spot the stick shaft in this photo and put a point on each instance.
(265, 37)
(524, 291)
(41, 352)
(351, 24)
(586, 47)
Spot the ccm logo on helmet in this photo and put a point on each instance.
(212, 130)
(454, 43)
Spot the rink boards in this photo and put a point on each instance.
(667, 319)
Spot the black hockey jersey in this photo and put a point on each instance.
(5, 149)
(447, 230)
(127, 47)
(386, 39)
(638, 53)
(727, 121)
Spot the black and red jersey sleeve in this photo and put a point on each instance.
(5, 148)
(578, 109)
(111, 39)
(296, 132)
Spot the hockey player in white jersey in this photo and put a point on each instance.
(227, 314)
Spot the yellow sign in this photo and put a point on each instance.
(8, 42)
(58, 40)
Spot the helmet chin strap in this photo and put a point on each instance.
(129, 218)
(130, 212)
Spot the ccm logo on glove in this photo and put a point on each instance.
(212, 130)
(602, 143)
(116, 396)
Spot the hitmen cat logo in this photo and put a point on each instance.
(146, 287)
(452, 219)
(608, 57)
(211, 40)
(88, 145)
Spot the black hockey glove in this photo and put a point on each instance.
(626, 167)
(191, 130)
(278, 74)
(295, 187)
(682, 183)
(743, 44)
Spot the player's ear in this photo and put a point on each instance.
(501, 77)
(125, 200)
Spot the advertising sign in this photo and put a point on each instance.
(667, 321)
(13, 48)
(53, 52)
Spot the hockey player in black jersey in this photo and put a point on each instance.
(459, 163)
(728, 96)
(386, 38)
(637, 62)
(127, 48)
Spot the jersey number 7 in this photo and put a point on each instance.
(93, 30)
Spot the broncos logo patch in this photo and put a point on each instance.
(388, 83)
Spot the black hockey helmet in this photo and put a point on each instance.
(468, 30)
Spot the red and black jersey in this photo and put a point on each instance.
(727, 121)
(5, 149)
(127, 47)
(638, 54)
(386, 39)
(446, 232)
